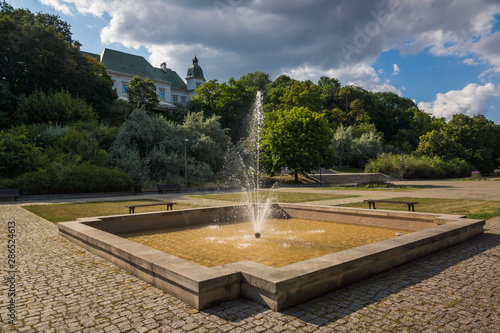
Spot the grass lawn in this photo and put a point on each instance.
(377, 188)
(70, 212)
(475, 209)
(285, 197)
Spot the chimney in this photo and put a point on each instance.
(163, 66)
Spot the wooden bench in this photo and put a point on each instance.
(411, 204)
(131, 208)
(10, 192)
(168, 187)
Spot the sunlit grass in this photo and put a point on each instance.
(285, 197)
(392, 188)
(70, 212)
(476, 209)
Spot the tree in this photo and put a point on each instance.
(297, 139)
(302, 94)
(473, 139)
(142, 93)
(59, 107)
(257, 80)
(232, 101)
(343, 143)
(37, 53)
(368, 146)
(150, 148)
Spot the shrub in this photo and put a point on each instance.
(413, 167)
(57, 107)
(84, 178)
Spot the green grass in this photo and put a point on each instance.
(70, 212)
(393, 188)
(475, 209)
(285, 197)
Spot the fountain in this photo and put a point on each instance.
(256, 210)
(276, 287)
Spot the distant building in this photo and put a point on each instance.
(171, 89)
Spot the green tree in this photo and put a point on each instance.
(343, 142)
(368, 146)
(473, 139)
(142, 93)
(302, 94)
(257, 80)
(37, 53)
(59, 107)
(150, 148)
(232, 101)
(297, 139)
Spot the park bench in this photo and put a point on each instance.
(168, 187)
(131, 208)
(10, 192)
(411, 204)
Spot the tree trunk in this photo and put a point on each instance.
(296, 176)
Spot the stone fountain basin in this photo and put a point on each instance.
(278, 288)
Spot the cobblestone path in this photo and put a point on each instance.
(62, 288)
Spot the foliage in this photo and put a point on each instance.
(343, 142)
(35, 147)
(473, 139)
(83, 178)
(231, 101)
(413, 167)
(297, 139)
(38, 53)
(142, 93)
(59, 107)
(356, 152)
(150, 148)
(257, 80)
(366, 147)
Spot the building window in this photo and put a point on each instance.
(198, 84)
(174, 97)
(124, 89)
(183, 99)
(162, 94)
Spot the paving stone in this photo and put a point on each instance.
(62, 288)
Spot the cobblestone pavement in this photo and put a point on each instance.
(62, 288)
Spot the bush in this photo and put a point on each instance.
(57, 107)
(423, 167)
(84, 178)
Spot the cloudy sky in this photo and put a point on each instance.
(443, 54)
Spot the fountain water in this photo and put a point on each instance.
(257, 210)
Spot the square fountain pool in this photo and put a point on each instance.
(277, 287)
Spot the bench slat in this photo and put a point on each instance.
(10, 192)
(131, 208)
(163, 187)
(411, 204)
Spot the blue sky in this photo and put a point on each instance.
(444, 55)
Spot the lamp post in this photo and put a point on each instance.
(185, 163)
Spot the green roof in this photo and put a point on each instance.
(121, 62)
(195, 70)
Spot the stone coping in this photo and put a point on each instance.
(278, 288)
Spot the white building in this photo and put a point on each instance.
(171, 89)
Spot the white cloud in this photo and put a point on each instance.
(306, 38)
(395, 69)
(472, 100)
(58, 5)
(362, 75)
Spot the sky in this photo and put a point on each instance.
(444, 55)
